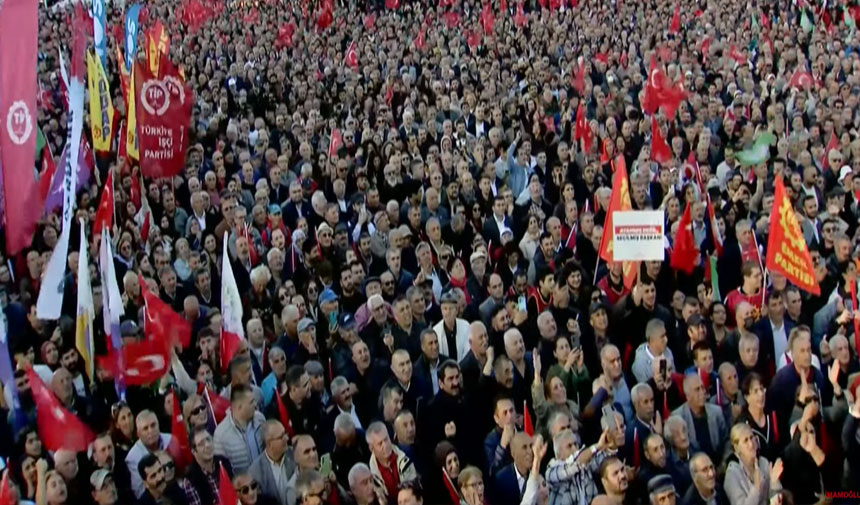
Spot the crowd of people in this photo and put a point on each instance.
(427, 318)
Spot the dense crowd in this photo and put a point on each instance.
(413, 219)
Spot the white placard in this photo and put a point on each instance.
(638, 235)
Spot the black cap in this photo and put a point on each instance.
(695, 320)
(598, 306)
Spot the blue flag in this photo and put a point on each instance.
(99, 40)
(131, 27)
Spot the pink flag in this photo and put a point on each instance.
(18, 49)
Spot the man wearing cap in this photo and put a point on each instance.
(661, 491)
(453, 332)
(103, 487)
(307, 349)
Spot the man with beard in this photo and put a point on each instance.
(613, 476)
(705, 489)
(446, 416)
(155, 489)
(104, 457)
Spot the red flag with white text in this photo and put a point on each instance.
(58, 428)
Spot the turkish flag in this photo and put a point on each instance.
(351, 58)
(228, 346)
(179, 448)
(140, 363)
(58, 428)
(324, 20)
(335, 142)
(161, 322)
(684, 252)
(675, 25)
(487, 20)
(392, 4)
(737, 55)
(451, 19)
(660, 151)
(582, 131)
(473, 38)
(419, 40)
(704, 47)
(369, 21)
(520, 18)
(226, 494)
(801, 79)
(503, 7)
(285, 35)
(104, 214)
(787, 251)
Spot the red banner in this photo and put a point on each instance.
(787, 252)
(618, 200)
(18, 48)
(163, 108)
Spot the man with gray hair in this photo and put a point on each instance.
(654, 348)
(644, 421)
(362, 487)
(388, 458)
(274, 468)
(149, 440)
(569, 474)
(705, 422)
(348, 450)
(680, 450)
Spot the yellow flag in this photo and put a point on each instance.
(131, 145)
(101, 105)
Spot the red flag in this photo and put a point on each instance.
(139, 363)
(5, 494)
(737, 55)
(351, 58)
(503, 8)
(451, 19)
(660, 151)
(392, 4)
(46, 174)
(218, 404)
(419, 40)
(832, 144)
(284, 414)
(520, 18)
(179, 448)
(325, 19)
(684, 252)
(582, 131)
(636, 448)
(163, 109)
(543, 4)
(335, 143)
(715, 230)
(619, 200)
(144, 229)
(369, 21)
(528, 427)
(285, 35)
(18, 51)
(801, 79)
(675, 25)
(487, 20)
(104, 214)
(58, 428)
(704, 47)
(787, 251)
(228, 346)
(579, 77)
(226, 494)
(473, 38)
(161, 322)
(853, 288)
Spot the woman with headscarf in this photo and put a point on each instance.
(441, 483)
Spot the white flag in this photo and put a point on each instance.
(50, 302)
(231, 302)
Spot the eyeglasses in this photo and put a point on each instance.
(197, 411)
(250, 488)
(388, 283)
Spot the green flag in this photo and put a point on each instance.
(848, 18)
(759, 152)
(40, 142)
(805, 23)
(715, 279)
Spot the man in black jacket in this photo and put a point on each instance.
(446, 416)
(204, 472)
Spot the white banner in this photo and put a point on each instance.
(50, 302)
(231, 301)
(638, 235)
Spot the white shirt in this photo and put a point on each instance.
(782, 361)
(521, 481)
(280, 475)
(353, 415)
(501, 225)
(780, 341)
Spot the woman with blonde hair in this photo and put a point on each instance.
(751, 478)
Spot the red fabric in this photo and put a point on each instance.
(636, 447)
(660, 151)
(684, 252)
(528, 426)
(179, 448)
(520, 18)
(579, 77)
(284, 415)
(832, 144)
(452, 491)
(392, 4)
(488, 22)
(226, 494)
(139, 363)
(336, 137)
(582, 131)
(801, 79)
(675, 25)
(161, 321)
(58, 428)
(104, 214)
(228, 346)
(619, 200)
(5, 494)
(787, 252)
(390, 475)
(533, 293)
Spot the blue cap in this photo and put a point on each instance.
(328, 296)
(274, 209)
